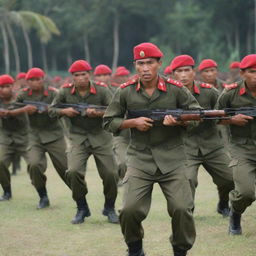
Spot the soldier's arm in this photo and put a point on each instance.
(224, 102)
(58, 112)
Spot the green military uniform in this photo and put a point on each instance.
(243, 147)
(13, 141)
(87, 137)
(204, 147)
(154, 156)
(120, 142)
(219, 85)
(46, 135)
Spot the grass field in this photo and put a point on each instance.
(25, 231)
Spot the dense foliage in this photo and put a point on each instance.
(51, 34)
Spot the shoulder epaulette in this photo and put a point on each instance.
(205, 85)
(101, 84)
(66, 85)
(25, 89)
(174, 82)
(50, 88)
(129, 82)
(231, 86)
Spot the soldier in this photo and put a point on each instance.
(203, 145)
(168, 71)
(243, 141)
(155, 153)
(20, 82)
(208, 69)
(13, 134)
(46, 134)
(234, 72)
(88, 138)
(102, 73)
(121, 75)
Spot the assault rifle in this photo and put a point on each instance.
(193, 114)
(81, 107)
(41, 106)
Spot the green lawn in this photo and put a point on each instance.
(25, 231)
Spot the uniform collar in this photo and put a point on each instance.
(92, 89)
(160, 85)
(242, 89)
(45, 93)
(196, 89)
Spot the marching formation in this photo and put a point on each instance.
(142, 129)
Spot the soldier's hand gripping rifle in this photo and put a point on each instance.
(42, 107)
(81, 107)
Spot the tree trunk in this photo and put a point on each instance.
(6, 48)
(248, 41)
(54, 62)
(29, 47)
(44, 57)
(69, 59)
(237, 42)
(15, 47)
(86, 48)
(116, 40)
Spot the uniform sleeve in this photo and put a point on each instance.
(214, 97)
(107, 97)
(223, 100)
(20, 97)
(186, 100)
(59, 98)
(115, 113)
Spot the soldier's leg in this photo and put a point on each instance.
(108, 172)
(176, 189)
(138, 188)
(37, 165)
(15, 163)
(6, 154)
(120, 146)
(57, 153)
(192, 165)
(217, 165)
(244, 173)
(77, 160)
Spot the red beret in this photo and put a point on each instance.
(146, 50)
(35, 73)
(234, 64)
(167, 70)
(80, 65)
(122, 71)
(21, 75)
(207, 63)
(57, 78)
(102, 70)
(248, 61)
(6, 79)
(182, 61)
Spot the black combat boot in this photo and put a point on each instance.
(82, 211)
(135, 248)
(235, 223)
(7, 195)
(44, 200)
(223, 208)
(179, 252)
(109, 211)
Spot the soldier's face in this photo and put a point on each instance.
(185, 75)
(147, 69)
(249, 75)
(36, 83)
(103, 78)
(6, 91)
(209, 75)
(81, 78)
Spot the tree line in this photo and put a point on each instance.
(52, 34)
